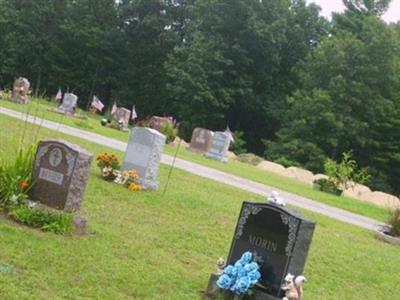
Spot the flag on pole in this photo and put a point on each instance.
(97, 104)
(59, 95)
(114, 108)
(229, 133)
(133, 114)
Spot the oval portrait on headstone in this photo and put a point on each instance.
(55, 157)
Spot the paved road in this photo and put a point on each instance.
(210, 173)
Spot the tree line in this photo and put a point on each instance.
(301, 88)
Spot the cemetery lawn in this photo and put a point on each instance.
(40, 108)
(145, 246)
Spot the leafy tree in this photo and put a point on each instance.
(348, 101)
(235, 64)
(377, 7)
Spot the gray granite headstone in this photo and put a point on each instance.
(60, 174)
(122, 115)
(69, 103)
(201, 140)
(143, 154)
(278, 238)
(20, 90)
(219, 146)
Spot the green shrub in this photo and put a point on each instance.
(43, 218)
(344, 174)
(169, 131)
(327, 186)
(16, 176)
(287, 162)
(239, 144)
(249, 158)
(394, 221)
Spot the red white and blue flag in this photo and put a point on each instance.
(114, 108)
(133, 113)
(97, 104)
(59, 95)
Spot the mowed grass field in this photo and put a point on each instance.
(40, 108)
(142, 245)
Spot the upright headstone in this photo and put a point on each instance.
(156, 122)
(201, 140)
(20, 90)
(69, 103)
(122, 115)
(219, 146)
(60, 174)
(279, 239)
(143, 154)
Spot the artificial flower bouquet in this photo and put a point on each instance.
(241, 277)
(108, 164)
(129, 179)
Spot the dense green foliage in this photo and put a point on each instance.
(15, 176)
(394, 221)
(59, 222)
(345, 173)
(274, 70)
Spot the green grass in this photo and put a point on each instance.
(40, 108)
(146, 246)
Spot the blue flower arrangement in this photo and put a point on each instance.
(240, 277)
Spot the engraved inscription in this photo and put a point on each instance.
(51, 176)
(268, 245)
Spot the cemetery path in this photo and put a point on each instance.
(219, 176)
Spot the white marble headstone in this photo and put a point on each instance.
(69, 103)
(219, 146)
(143, 154)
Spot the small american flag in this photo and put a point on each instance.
(133, 114)
(114, 108)
(229, 133)
(59, 95)
(97, 104)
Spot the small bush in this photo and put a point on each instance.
(249, 158)
(394, 221)
(287, 162)
(169, 131)
(327, 186)
(43, 218)
(239, 145)
(344, 174)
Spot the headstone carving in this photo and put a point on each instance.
(143, 154)
(157, 122)
(60, 173)
(122, 115)
(20, 90)
(279, 240)
(201, 140)
(69, 103)
(219, 146)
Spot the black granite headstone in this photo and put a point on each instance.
(279, 239)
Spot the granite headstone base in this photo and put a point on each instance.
(63, 112)
(213, 291)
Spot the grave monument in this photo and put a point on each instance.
(20, 90)
(201, 140)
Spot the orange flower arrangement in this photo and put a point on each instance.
(134, 187)
(131, 174)
(108, 160)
